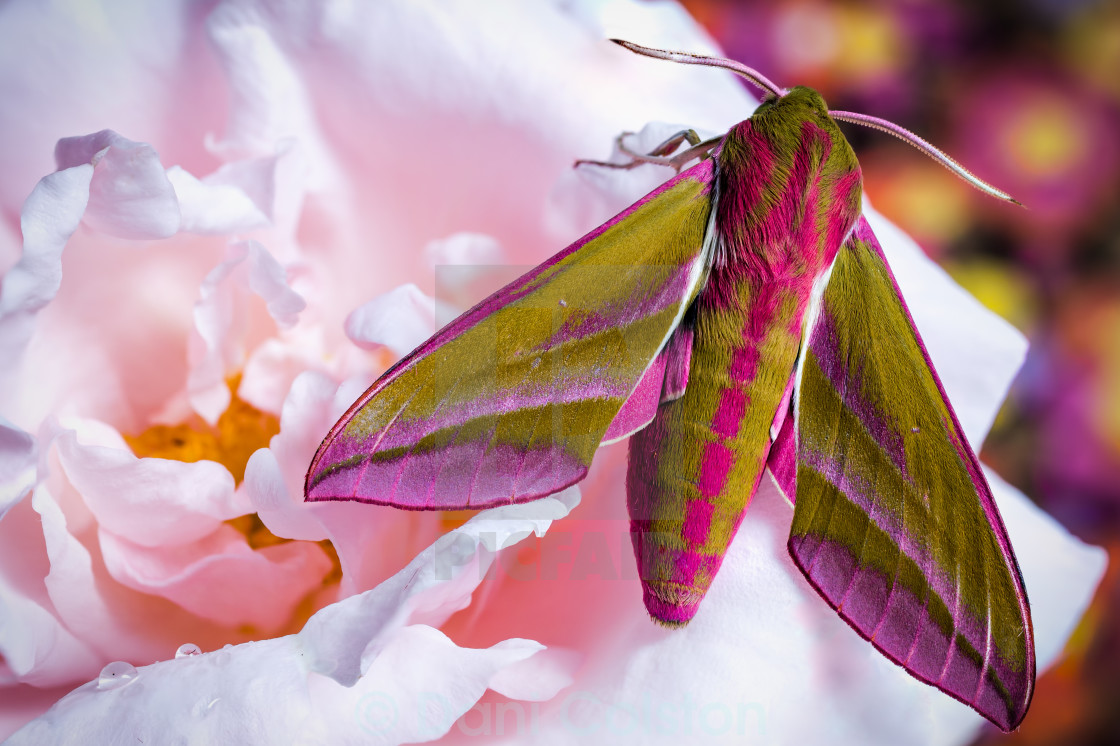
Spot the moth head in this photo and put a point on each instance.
(773, 93)
(802, 100)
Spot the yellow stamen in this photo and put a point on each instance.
(240, 431)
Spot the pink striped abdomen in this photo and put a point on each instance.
(693, 470)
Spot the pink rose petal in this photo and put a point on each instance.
(129, 195)
(275, 184)
(49, 217)
(23, 703)
(269, 281)
(220, 318)
(275, 364)
(220, 578)
(64, 72)
(539, 678)
(213, 208)
(114, 620)
(386, 679)
(271, 104)
(274, 475)
(272, 117)
(17, 465)
(36, 646)
(400, 319)
(395, 702)
(372, 542)
(467, 266)
(75, 590)
(262, 692)
(465, 250)
(153, 502)
(437, 583)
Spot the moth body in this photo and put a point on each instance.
(788, 193)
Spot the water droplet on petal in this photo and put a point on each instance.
(915, 429)
(188, 649)
(117, 674)
(563, 303)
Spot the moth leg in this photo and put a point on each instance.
(698, 150)
(661, 154)
(664, 148)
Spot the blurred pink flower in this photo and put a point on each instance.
(1075, 391)
(183, 299)
(1048, 140)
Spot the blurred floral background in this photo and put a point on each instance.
(1026, 95)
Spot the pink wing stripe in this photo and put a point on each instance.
(782, 460)
(641, 406)
(678, 354)
(510, 474)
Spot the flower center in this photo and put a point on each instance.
(239, 432)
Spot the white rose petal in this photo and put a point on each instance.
(17, 464)
(220, 320)
(152, 501)
(130, 195)
(400, 320)
(49, 217)
(213, 208)
(361, 668)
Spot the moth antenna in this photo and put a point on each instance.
(909, 137)
(742, 70)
